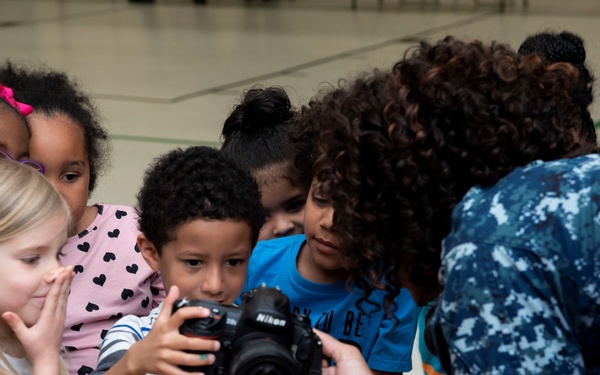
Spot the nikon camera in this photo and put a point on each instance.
(259, 337)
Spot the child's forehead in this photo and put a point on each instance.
(56, 122)
(50, 135)
(11, 119)
(207, 235)
(273, 172)
(14, 136)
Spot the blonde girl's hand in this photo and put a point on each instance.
(164, 348)
(348, 359)
(42, 341)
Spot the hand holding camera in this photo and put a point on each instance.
(259, 337)
(164, 348)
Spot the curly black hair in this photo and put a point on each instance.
(255, 135)
(400, 148)
(196, 183)
(52, 93)
(567, 47)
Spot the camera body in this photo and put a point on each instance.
(259, 337)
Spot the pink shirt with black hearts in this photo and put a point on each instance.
(112, 280)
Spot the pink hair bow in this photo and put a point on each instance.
(6, 94)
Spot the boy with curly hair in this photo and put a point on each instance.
(200, 216)
(309, 270)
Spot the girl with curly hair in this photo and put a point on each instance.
(69, 140)
(467, 161)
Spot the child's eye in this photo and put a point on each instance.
(296, 206)
(70, 177)
(234, 262)
(320, 200)
(192, 263)
(31, 260)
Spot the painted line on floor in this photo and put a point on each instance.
(407, 39)
(136, 138)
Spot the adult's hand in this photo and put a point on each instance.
(348, 359)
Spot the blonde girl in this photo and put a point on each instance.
(33, 283)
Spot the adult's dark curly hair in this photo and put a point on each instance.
(255, 135)
(567, 47)
(196, 183)
(399, 149)
(52, 93)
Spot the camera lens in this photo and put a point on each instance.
(262, 357)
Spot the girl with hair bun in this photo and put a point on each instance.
(256, 137)
(567, 47)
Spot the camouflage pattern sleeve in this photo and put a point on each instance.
(521, 273)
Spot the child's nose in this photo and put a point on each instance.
(213, 281)
(282, 227)
(327, 218)
(55, 268)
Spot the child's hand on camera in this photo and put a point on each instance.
(163, 350)
(42, 341)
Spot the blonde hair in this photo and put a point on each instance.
(26, 200)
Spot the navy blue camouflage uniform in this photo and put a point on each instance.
(521, 273)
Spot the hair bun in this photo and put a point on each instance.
(563, 47)
(261, 110)
(573, 49)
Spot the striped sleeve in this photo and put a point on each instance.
(126, 332)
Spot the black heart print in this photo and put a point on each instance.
(132, 269)
(126, 293)
(109, 256)
(99, 280)
(114, 234)
(85, 247)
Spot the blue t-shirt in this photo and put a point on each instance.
(521, 273)
(332, 308)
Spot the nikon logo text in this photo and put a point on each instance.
(268, 319)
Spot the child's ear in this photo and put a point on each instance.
(148, 252)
